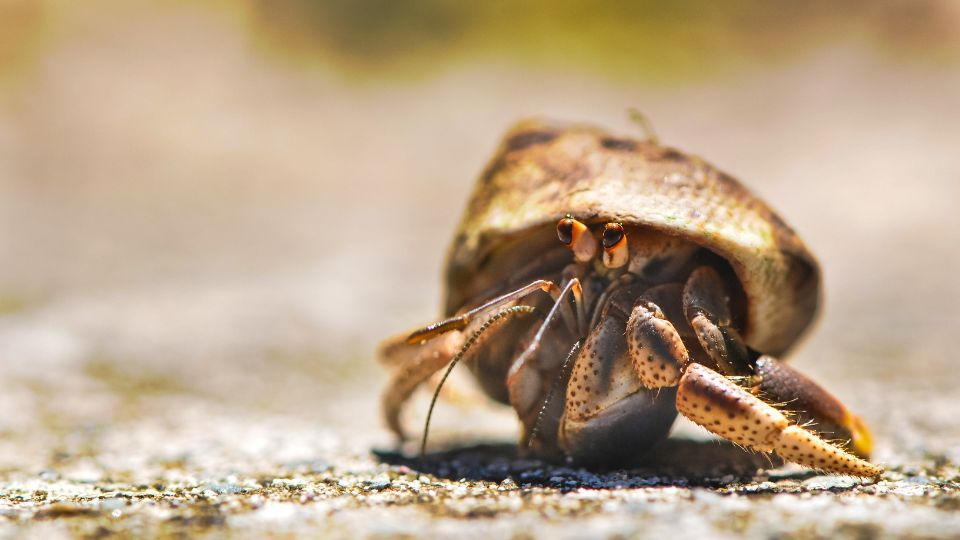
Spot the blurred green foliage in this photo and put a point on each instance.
(639, 39)
(643, 39)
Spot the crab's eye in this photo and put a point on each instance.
(615, 252)
(565, 231)
(612, 235)
(576, 236)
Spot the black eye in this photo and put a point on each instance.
(612, 234)
(565, 231)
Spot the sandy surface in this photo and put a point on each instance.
(201, 251)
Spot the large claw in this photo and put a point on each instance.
(716, 403)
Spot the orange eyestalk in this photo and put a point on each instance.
(615, 252)
(577, 237)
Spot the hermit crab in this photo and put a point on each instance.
(600, 284)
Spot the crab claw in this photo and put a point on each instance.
(781, 383)
(724, 408)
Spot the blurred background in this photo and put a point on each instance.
(211, 212)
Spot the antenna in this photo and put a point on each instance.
(497, 317)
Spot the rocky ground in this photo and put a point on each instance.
(195, 276)
(256, 477)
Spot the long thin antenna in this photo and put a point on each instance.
(553, 389)
(500, 315)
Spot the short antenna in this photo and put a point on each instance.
(641, 120)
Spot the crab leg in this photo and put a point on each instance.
(706, 307)
(461, 321)
(572, 287)
(523, 378)
(415, 364)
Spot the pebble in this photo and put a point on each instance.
(830, 482)
(113, 503)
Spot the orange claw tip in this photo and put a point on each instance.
(861, 440)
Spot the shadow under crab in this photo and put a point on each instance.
(673, 462)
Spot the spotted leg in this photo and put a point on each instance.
(720, 405)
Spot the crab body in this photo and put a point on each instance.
(672, 289)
